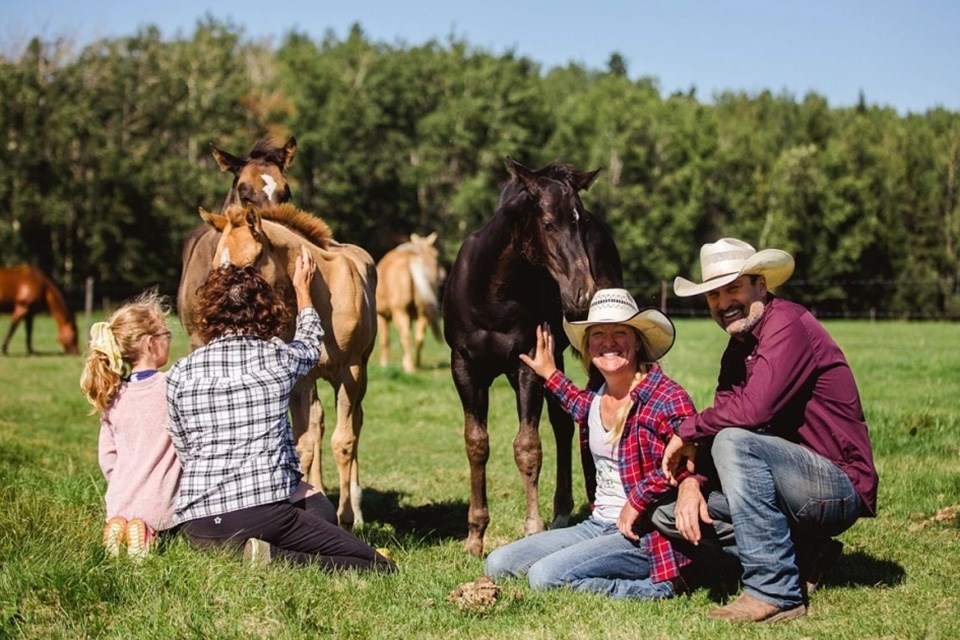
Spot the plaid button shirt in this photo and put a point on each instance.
(228, 403)
(660, 404)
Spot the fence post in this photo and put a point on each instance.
(88, 302)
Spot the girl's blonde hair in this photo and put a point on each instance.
(596, 378)
(105, 368)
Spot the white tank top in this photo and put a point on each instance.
(610, 496)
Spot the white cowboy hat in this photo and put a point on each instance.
(617, 306)
(727, 259)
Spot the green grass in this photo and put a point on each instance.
(892, 582)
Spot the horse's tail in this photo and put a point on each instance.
(426, 290)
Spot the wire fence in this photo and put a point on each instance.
(866, 299)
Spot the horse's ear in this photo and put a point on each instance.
(215, 220)
(583, 179)
(430, 239)
(226, 161)
(252, 217)
(289, 151)
(523, 174)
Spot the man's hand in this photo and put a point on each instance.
(690, 510)
(628, 517)
(677, 450)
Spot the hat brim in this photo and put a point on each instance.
(656, 331)
(774, 265)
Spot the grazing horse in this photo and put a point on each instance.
(408, 284)
(258, 180)
(344, 297)
(27, 290)
(540, 256)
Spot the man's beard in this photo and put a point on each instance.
(742, 326)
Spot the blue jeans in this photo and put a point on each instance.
(777, 491)
(590, 556)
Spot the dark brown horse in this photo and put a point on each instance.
(27, 290)
(540, 256)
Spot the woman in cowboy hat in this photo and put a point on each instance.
(789, 439)
(626, 417)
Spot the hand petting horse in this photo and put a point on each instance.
(26, 290)
(540, 256)
(408, 285)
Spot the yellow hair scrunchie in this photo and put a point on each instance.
(103, 341)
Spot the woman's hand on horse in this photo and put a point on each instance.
(542, 362)
(302, 277)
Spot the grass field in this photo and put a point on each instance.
(896, 579)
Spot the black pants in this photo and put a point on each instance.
(297, 534)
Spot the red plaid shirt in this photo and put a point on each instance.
(660, 405)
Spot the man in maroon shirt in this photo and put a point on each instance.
(786, 434)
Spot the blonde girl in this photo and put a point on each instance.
(121, 380)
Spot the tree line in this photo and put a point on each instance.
(105, 160)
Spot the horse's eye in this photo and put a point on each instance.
(547, 225)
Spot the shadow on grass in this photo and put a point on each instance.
(430, 523)
(719, 574)
(859, 569)
(38, 354)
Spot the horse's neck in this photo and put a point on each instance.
(57, 304)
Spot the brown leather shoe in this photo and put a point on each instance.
(746, 608)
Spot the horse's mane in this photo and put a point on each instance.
(56, 301)
(306, 224)
(559, 171)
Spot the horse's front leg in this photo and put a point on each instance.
(28, 327)
(563, 431)
(527, 450)
(350, 390)
(306, 421)
(475, 398)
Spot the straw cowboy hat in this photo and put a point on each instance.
(617, 306)
(727, 259)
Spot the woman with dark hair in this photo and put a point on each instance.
(228, 402)
(626, 417)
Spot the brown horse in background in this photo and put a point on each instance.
(27, 290)
(260, 180)
(408, 285)
(344, 297)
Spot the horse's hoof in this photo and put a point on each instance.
(532, 525)
(474, 547)
(560, 522)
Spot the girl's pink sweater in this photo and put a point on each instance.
(136, 455)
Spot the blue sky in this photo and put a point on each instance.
(900, 53)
